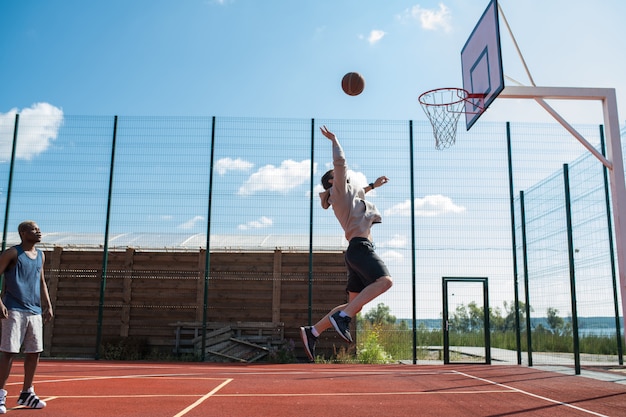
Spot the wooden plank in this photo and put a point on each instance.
(127, 293)
(169, 287)
(276, 286)
(215, 334)
(201, 283)
(234, 358)
(52, 278)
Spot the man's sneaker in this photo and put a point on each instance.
(342, 325)
(30, 399)
(309, 342)
(3, 399)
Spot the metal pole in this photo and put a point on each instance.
(529, 344)
(615, 161)
(518, 338)
(105, 255)
(572, 271)
(445, 322)
(607, 199)
(486, 320)
(10, 186)
(310, 306)
(413, 283)
(517, 48)
(207, 256)
(618, 187)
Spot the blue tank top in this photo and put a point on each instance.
(23, 283)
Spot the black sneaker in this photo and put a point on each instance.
(342, 325)
(30, 399)
(309, 342)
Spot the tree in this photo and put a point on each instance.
(467, 318)
(507, 323)
(556, 323)
(471, 317)
(380, 315)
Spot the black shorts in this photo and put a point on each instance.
(364, 265)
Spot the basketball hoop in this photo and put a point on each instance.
(443, 106)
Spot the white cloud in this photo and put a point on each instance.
(358, 179)
(430, 19)
(318, 189)
(38, 126)
(391, 255)
(262, 223)
(397, 241)
(429, 206)
(375, 36)
(191, 223)
(224, 165)
(290, 174)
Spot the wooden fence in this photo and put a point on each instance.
(148, 292)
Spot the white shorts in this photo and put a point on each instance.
(22, 329)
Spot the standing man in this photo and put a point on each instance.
(368, 276)
(21, 313)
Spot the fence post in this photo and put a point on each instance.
(572, 269)
(310, 302)
(105, 254)
(529, 343)
(207, 259)
(413, 284)
(607, 198)
(518, 338)
(6, 210)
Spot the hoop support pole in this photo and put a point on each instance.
(614, 163)
(562, 93)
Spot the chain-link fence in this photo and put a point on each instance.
(179, 183)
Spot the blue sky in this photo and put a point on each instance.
(284, 58)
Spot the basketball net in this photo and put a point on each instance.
(443, 107)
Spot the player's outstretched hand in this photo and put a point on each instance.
(380, 181)
(330, 135)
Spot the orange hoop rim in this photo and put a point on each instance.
(451, 89)
(461, 93)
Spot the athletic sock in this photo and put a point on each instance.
(315, 332)
(342, 314)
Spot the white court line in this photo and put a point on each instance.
(139, 376)
(368, 394)
(176, 376)
(204, 397)
(530, 394)
(330, 372)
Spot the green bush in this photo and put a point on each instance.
(371, 350)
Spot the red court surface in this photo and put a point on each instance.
(102, 388)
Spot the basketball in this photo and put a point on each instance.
(352, 84)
